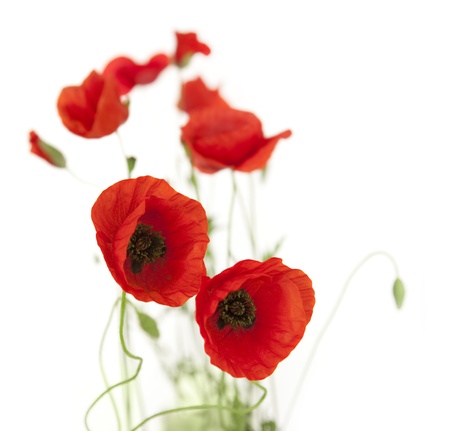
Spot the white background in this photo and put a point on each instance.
(365, 88)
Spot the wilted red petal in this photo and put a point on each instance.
(94, 108)
(195, 94)
(46, 151)
(36, 149)
(187, 46)
(218, 137)
(172, 278)
(129, 74)
(283, 299)
(150, 71)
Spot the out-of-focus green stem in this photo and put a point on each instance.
(328, 323)
(127, 353)
(241, 411)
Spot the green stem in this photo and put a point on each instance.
(125, 388)
(249, 216)
(124, 154)
(252, 216)
(274, 398)
(242, 411)
(127, 353)
(230, 217)
(327, 324)
(74, 175)
(102, 368)
(221, 397)
(194, 181)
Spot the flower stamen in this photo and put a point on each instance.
(236, 310)
(145, 246)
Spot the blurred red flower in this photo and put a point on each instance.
(252, 315)
(153, 239)
(129, 74)
(93, 109)
(46, 151)
(218, 137)
(195, 94)
(187, 46)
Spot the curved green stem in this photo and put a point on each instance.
(328, 323)
(242, 411)
(102, 368)
(127, 353)
(74, 175)
(125, 388)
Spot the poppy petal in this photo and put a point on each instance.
(128, 74)
(195, 94)
(180, 222)
(93, 109)
(281, 299)
(187, 46)
(218, 137)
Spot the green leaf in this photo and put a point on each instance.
(54, 154)
(268, 426)
(131, 163)
(148, 324)
(399, 292)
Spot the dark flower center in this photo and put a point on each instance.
(145, 247)
(236, 310)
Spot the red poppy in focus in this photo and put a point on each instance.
(195, 95)
(94, 108)
(153, 239)
(218, 137)
(253, 315)
(129, 74)
(46, 151)
(187, 46)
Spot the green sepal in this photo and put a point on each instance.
(54, 154)
(399, 292)
(131, 163)
(185, 60)
(148, 324)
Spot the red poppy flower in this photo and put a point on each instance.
(195, 94)
(219, 138)
(252, 316)
(153, 239)
(46, 151)
(94, 108)
(187, 46)
(128, 73)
